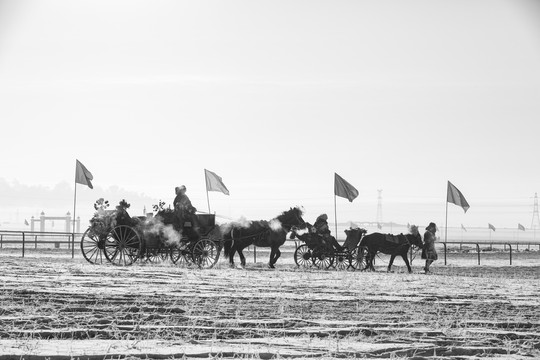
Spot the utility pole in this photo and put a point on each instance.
(379, 209)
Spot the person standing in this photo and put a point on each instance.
(428, 252)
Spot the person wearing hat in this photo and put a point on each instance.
(428, 252)
(323, 230)
(182, 206)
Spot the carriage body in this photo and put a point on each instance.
(317, 251)
(120, 239)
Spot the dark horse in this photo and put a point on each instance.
(261, 233)
(392, 245)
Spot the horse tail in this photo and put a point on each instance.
(228, 244)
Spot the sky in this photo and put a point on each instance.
(274, 96)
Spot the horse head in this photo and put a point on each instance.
(292, 217)
(415, 239)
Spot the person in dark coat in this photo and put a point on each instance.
(185, 210)
(323, 230)
(428, 252)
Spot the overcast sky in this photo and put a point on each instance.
(276, 96)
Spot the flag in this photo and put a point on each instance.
(343, 189)
(455, 196)
(463, 228)
(491, 227)
(521, 227)
(26, 222)
(82, 175)
(379, 226)
(214, 182)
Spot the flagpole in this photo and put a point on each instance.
(335, 212)
(207, 196)
(74, 207)
(446, 223)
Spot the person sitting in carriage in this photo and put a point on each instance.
(186, 213)
(322, 229)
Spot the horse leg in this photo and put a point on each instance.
(372, 258)
(404, 256)
(231, 257)
(270, 261)
(277, 254)
(242, 257)
(391, 262)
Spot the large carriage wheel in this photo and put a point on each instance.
(302, 256)
(122, 245)
(322, 259)
(342, 260)
(205, 253)
(92, 247)
(359, 258)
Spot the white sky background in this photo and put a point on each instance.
(275, 96)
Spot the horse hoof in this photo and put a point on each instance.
(389, 271)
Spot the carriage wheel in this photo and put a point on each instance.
(122, 245)
(92, 247)
(157, 255)
(181, 256)
(342, 261)
(321, 258)
(205, 253)
(302, 256)
(359, 258)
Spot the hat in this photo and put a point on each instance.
(323, 217)
(431, 226)
(179, 188)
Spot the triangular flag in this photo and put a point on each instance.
(82, 175)
(455, 196)
(521, 227)
(26, 222)
(491, 227)
(379, 226)
(463, 228)
(214, 182)
(343, 189)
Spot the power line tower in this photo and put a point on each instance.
(379, 209)
(535, 223)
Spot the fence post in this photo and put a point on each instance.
(510, 253)
(478, 252)
(1, 241)
(254, 254)
(445, 252)
(35, 242)
(23, 239)
(517, 246)
(72, 245)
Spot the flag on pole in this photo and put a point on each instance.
(455, 196)
(343, 189)
(379, 226)
(463, 228)
(491, 227)
(521, 227)
(26, 222)
(214, 182)
(82, 175)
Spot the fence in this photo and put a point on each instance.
(29, 238)
(509, 244)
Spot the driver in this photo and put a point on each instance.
(322, 229)
(185, 210)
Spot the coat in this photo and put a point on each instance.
(429, 252)
(183, 206)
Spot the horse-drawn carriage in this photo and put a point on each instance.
(120, 239)
(315, 251)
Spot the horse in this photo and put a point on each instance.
(391, 245)
(261, 233)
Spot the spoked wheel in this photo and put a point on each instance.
(181, 256)
(342, 260)
(359, 258)
(205, 253)
(157, 255)
(321, 258)
(92, 246)
(303, 256)
(122, 245)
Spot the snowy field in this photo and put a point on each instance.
(55, 307)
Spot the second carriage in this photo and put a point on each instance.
(315, 251)
(116, 237)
